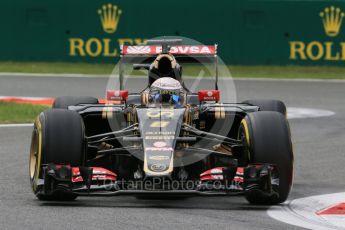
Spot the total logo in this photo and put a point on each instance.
(159, 146)
(159, 149)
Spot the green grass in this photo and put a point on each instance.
(237, 71)
(55, 67)
(311, 72)
(19, 113)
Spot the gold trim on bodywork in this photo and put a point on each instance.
(169, 56)
(221, 148)
(107, 112)
(219, 112)
(144, 98)
(129, 117)
(104, 113)
(222, 112)
(216, 113)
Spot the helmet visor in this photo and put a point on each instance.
(166, 97)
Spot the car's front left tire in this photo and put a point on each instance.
(268, 105)
(267, 140)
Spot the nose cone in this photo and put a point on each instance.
(159, 128)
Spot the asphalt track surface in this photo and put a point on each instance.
(319, 145)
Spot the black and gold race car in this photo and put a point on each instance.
(166, 140)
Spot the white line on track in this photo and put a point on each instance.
(295, 113)
(16, 125)
(67, 75)
(302, 212)
(23, 98)
(290, 80)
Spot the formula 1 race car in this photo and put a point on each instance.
(163, 141)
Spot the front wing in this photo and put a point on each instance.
(96, 181)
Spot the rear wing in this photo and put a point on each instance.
(182, 53)
(176, 50)
(145, 54)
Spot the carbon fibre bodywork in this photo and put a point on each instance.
(161, 125)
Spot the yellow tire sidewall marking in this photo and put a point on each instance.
(246, 133)
(246, 130)
(39, 153)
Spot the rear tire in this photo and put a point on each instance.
(268, 105)
(268, 140)
(58, 137)
(65, 101)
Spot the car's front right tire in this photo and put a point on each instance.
(58, 138)
(65, 101)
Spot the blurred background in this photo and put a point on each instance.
(257, 38)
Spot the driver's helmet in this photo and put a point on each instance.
(167, 91)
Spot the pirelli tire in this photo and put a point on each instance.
(65, 101)
(58, 137)
(268, 105)
(268, 140)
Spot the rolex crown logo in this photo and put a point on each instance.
(332, 18)
(110, 16)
